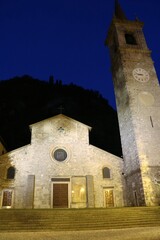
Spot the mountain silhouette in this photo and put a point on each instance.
(25, 100)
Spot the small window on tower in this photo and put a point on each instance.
(130, 39)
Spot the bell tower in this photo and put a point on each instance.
(137, 95)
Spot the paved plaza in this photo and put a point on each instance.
(152, 233)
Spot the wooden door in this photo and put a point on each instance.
(7, 198)
(108, 197)
(60, 195)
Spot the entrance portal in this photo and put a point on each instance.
(60, 195)
(7, 198)
(108, 198)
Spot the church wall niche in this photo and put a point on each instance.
(78, 191)
(30, 191)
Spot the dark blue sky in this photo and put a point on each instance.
(65, 38)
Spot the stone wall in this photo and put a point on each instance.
(37, 168)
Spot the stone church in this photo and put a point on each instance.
(61, 169)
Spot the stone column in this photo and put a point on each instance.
(30, 191)
(90, 191)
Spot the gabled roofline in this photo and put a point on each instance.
(60, 115)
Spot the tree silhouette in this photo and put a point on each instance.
(25, 100)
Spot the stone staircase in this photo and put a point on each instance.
(78, 219)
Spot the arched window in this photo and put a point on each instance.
(11, 173)
(130, 39)
(106, 172)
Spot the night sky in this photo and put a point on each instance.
(65, 38)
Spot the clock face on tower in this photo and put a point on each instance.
(140, 75)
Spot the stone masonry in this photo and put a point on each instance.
(38, 173)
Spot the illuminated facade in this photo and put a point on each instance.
(60, 169)
(138, 105)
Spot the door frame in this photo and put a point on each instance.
(9, 190)
(69, 190)
(104, 202)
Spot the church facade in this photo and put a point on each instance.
(60, 169)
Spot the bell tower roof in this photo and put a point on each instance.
(119, 13)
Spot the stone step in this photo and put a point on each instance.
(77, 219)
